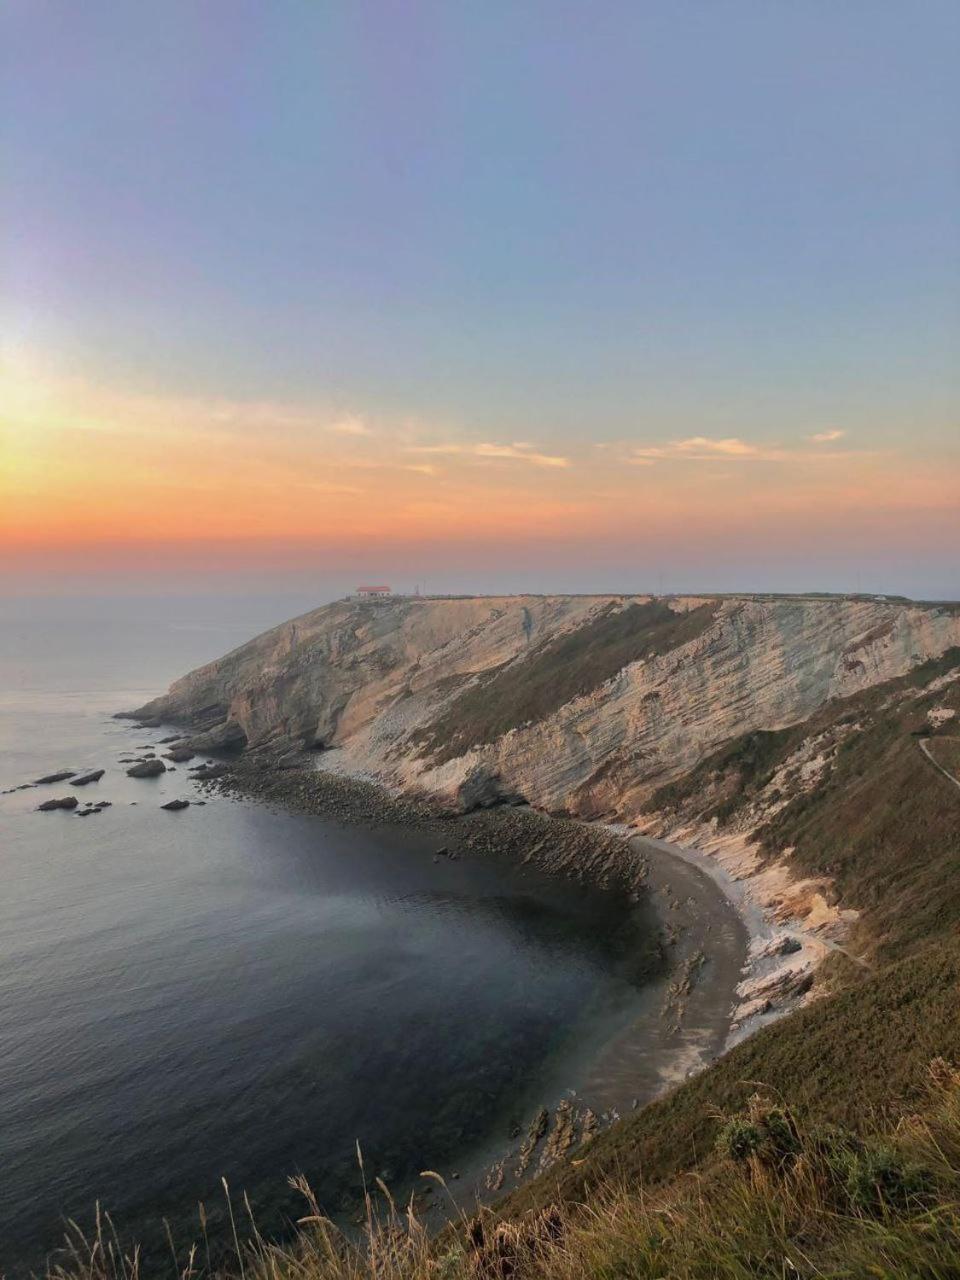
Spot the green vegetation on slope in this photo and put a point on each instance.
(881, 824)
(533, 686)
(724, 780)
(886, 830)
(854, 1058)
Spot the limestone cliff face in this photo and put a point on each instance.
(578, 704)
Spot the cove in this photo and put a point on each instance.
(233, 992)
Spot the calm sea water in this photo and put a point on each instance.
(230, 992)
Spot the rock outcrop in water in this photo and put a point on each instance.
(577, 704)
(85, 779)
(147, 769)
(48, 778)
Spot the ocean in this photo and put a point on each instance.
(229, 992)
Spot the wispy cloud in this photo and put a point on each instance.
(517, 452)
(420, 468)
(696, 449)
(321, 486)
(733, 449)
(699, 448)
(729, 447)
(350, 426)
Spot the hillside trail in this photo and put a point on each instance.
(922, 743)
(845, 951)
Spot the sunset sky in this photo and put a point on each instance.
(485, 296)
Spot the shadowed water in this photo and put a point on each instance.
(233, 992)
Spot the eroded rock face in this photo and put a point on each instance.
(388, 687)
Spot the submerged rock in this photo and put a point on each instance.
(175, 805)
(64, 802)
(147, 769)
(62, 776)
(93, 776)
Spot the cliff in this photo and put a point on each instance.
(581, 705)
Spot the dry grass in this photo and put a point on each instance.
(775, 1200)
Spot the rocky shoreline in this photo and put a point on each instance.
(788, 941)
(590, 854)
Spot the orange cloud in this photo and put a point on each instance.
(732, 449)
(512, 452)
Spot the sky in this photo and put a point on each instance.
(480, 296)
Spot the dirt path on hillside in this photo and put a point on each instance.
(923, 744)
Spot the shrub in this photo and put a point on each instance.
(764, 1133)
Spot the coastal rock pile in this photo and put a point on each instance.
(90, 809)
(590, 854)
